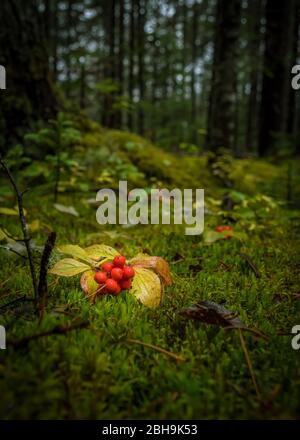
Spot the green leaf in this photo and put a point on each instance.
(66, 209)
(99, 251)
(34, 226)
(210, 236)
(146, 287)
(2, 235)
(75, 251)
(68, 267)
(8, 211)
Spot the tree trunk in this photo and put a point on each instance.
(109, 118)
(194, 59)
(29, 95)
(131, 62)
(294, 50)
(221, 114)
(119, 113)
(254, 18)
(69, 25)
(141, 62)
(276, 69)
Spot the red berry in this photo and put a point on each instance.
(219, 228)
(119, 261)
(107, 267)
(227, 228)
(125, 284)
(128, 272)
(112, 286)
(100, 277)
(117, 273)
(118, 291)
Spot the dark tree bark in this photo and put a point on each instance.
(54, 41)
(194, 58)
(29, 95)
(221, 114)
(254, 18)
(119, 115)
(184, 13)
(69, 25)
(292, 58)
(110, 70)
(141, 62)
(273, 117)
(131, 61)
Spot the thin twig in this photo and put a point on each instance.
(249, 363)
(43, 286)
(15, 252)
(248, 329)
(58, 330)
(11, 303)
(159, 349)
(251, 264)
(24, 226)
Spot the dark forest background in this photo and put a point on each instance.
(210, 73)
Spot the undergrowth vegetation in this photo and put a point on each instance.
(130, 361)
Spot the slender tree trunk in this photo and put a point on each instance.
(119, 115)
(294, 50)
(54, 40)
(193, 74)
(254, 17)
(69, 24)
(221, 115)
(141, 61)
(109, 118)
(131, 61)
(185, 45)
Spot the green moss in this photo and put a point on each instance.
(96, 373)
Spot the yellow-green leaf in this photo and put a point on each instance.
(158, 264)
(66, 209)
(34, 226)
(89, 285)
(8, 211)
(68, 267)
(75, 251)
(146, 287)
(99, 251)
(2, 235)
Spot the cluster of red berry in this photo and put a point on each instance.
(223, 228)
(115, 276)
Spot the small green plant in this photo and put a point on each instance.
(57, 138)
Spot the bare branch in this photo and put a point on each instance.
(26, 238)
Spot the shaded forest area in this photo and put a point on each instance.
(186, 94)
(208, 73)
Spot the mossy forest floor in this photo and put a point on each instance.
(98, 371)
